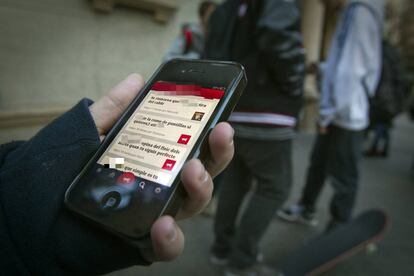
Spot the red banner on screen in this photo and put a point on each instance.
(187, 90)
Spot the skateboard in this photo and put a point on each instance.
(327, 250)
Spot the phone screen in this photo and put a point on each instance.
(156, 140)
(133, 177)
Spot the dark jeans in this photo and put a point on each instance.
(269, 162)
(335, 154)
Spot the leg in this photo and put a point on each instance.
(343, 168)
(234, 185)
(386, 138)
(376, 140)
(270, 164)
(316, 172)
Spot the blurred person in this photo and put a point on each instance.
(190, 42)
(264, 37)
(388, 101)
(410, 107)
(411, 104)
(39, 236)
(352, 71)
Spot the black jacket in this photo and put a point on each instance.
(38, 236)
(264, 36)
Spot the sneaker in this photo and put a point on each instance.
(258, 269)
(298, 213)
(371, 153)
(218, 260)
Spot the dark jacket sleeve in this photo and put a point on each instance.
(279, 41)
(38, 236)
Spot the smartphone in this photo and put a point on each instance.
(134, 177)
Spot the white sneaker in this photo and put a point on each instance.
(298, 213)
(258, 269)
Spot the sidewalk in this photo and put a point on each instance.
(385, 183)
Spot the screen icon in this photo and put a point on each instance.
(142, 185)
(168, 164)
(111, 200)
(197, 116)
(184, 139)
(126, 178)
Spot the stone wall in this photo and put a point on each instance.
(54, 52)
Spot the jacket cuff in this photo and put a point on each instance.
(34, 179)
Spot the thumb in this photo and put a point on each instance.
(110, 107)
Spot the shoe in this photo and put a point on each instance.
(384, 154)
(221, 260)
(371, 153)
(218, 260)
(298, 213)
(258, 269)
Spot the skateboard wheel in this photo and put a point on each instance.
(371, 248)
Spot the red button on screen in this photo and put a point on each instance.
(184, 139)
(168, 164)
(126, 178)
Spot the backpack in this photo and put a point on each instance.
(388, 100)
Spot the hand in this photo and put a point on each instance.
(167, 237)
(322, 130)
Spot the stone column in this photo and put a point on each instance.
(313, 13)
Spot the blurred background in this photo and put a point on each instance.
(52, 53)
(55, 52)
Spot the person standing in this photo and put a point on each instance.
(264, 37)
(351, 76)
(388, 102)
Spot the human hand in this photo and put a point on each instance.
(322, 130)
(167, 237)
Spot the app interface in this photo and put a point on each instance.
(156, 140)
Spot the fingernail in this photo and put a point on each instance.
(204, 176)
(172, 234)
(231, 142)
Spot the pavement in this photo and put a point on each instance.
(385, 183)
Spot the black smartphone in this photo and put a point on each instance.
(134, 177)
